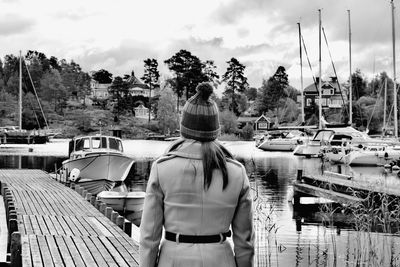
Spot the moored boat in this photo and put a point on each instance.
(96, 162)
(280, 140)
(128, 203)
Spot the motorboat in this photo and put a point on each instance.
(280, 140)
(96, 163)
(128, 203)
(331, 137)
(373, 156)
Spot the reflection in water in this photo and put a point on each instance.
(285, 236)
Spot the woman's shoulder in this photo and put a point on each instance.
(234, 163)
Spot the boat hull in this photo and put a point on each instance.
(113, 167)
(128, 203)
(278, 145)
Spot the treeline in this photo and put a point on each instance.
(62, 86)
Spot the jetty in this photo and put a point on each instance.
(50, 224)
(341, 188)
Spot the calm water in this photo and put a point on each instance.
(285, 236)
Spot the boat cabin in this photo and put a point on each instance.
(82, 146)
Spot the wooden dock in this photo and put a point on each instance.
(50, 224)
(339, 188)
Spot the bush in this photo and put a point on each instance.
(247, 132)
(228, 122)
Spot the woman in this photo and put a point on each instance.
(197, 192)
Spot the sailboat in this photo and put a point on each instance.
(385, 153)
(17, 135)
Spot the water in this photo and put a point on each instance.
(286, 236)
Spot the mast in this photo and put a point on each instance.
(301, 77)
(350, 79)
(20, 92)
(319, 80)
(396, 134)
(384, 108)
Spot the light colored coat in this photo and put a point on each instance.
(176, 199)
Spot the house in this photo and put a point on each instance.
(137, 87)
(99, 90)
(141, 112)
(261, 123)
(333, 95)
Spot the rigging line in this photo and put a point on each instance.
(334, 70)
(37, 98)
(391, 109)
(309, 64)
(376, 103)
(34, 112)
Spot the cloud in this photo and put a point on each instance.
(13, 24)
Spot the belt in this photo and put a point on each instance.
(179, 238)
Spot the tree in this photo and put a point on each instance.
(102, 76)
(251, 93)
(167, 114)
(228, 121)
(236, 83)
(119, 90)
(272, 91)
(150, 77)
(359, 85)
(188, 71)
(53, 90)
(210, 73)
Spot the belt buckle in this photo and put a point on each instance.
(221, 238)
(177, 238)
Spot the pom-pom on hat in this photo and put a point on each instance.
(200, 115)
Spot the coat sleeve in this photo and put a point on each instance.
(242, 226)
(152, 221)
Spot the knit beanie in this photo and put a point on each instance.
(200, 115)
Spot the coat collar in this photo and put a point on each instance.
(186, 148)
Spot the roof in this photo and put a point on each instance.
(332, 84)
(135, 82)
(262, 117)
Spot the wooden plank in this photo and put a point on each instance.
(78, 261)
(84, 251)
(35, 225)
(55, 254)
(325, 193)
(26, 252)
(64, 252)
(42, 225)
(35, 251)
(110, 247)
(27, 224)
(97, 255)
(72, 226)
(63, 225)
(103, 250)
(128, 257)
(44, 251)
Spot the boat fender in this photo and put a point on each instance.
(74, 174)
(386, 155)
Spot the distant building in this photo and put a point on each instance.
(333, 95)
(99, 90)
(261, 123)
(141, 112)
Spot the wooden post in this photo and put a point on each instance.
(16, 249)
(93, 200)
(88, 196)
(84, 192)
(128, 227)
(120, 221)
(114, 216)
(97, 204)
(108, 212)
(102, 208)
(299, 175)
(72, 185)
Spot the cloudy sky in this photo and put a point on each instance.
(262, 34)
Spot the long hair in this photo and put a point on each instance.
(214, 157)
